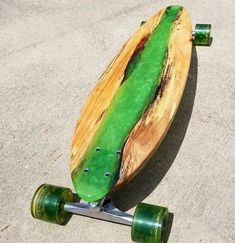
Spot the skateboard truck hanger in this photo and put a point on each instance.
(106, 212)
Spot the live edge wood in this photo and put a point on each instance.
(153, 125)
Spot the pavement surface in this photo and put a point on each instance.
(51, 54)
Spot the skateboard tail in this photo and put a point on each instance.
(94, 177)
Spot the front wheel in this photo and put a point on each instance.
(48, 204)
(149, 223)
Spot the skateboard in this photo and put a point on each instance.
(122, 124)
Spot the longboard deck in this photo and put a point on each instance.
(155, 121)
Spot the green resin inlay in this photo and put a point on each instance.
(98, 171)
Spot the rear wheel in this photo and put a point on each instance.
(149, 223)
(47, 204)
(202, 35)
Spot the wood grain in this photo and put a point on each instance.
(100, 98)
(152, 127)
(154, 124)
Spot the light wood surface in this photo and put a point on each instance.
(100, 98)
(151, 128)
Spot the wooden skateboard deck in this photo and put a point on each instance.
(152, 124)
(123, 122)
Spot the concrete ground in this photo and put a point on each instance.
(51, 54)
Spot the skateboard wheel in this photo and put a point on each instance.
(149, 223)
(47, 204)
(202, 35)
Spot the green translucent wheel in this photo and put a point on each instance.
(47, 204)
(149, 223)
(202, 35)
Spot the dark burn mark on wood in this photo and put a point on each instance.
(178, 15)
(141, 44)
(177, 21)
(100, 116)
(123, 80)
(164, 80)
(166, 73)
(137, 51)
(165, 77)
